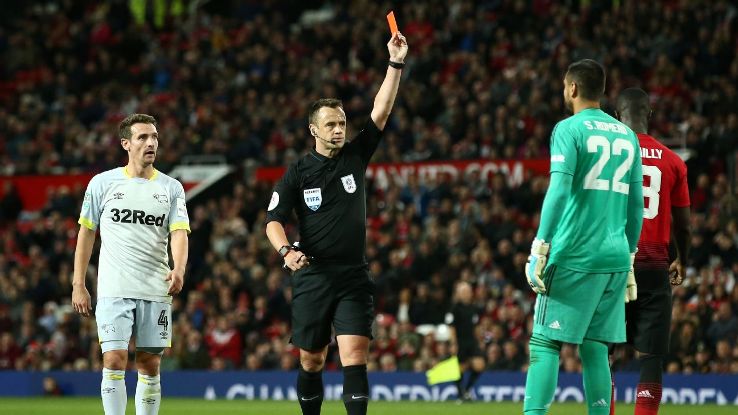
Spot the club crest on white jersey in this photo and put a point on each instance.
(161, 198)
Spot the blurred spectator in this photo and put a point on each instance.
(387, 363)
(11, 204)
(495, 360)
(513, 357)
(51, 387)
(724, 326)
(195, 355)
(9, 351)
(224, 341)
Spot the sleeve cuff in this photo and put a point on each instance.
(179, 226)
(87, 223)
(270, 218)
(562, 170)
(372, 126)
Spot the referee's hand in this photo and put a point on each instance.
(296, 260)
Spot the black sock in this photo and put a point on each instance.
(355, 389)
(651, 368)
(310, 391)
(473, 376)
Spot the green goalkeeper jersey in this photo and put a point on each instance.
(603, 157)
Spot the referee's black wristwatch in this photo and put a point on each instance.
(285, 249)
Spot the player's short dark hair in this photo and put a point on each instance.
(634, 102)
(589, 76)
(323, 102)
(124, 128)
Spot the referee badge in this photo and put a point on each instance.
(274, 202)
(313, 198)
(349, 184)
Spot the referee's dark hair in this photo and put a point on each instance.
(323, 102)
(124, 128)
(589, 76)
(633, 103)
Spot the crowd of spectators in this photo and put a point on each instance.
(483, 81)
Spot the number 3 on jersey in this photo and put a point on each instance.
(592, 180)
(651, 209)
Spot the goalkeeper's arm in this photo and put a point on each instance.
(635, 215)
(633, 232)
(557, 195)
(559, 189)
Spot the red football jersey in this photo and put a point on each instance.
(664, 187)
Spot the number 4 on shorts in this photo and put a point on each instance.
(163, 320)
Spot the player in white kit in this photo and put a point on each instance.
(136, 208)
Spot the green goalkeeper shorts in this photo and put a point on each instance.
(579, 305)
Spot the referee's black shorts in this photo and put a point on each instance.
(468, 350)
(648, 318)
(325, 295)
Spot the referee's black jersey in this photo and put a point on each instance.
(329, 197)
(464, 317)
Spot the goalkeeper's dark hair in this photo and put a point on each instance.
(589, 76)
(633, 103)
(323, 102)
(124, 128)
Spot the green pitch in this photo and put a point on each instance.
(175, 406)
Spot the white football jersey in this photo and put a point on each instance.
(135, 217)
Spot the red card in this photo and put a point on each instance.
(392, 22)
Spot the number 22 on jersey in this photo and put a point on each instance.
(600, 144)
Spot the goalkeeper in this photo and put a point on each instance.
(580, 260)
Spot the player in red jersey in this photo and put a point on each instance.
(666, 194)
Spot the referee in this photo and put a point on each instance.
(463, 318)
(331, 285)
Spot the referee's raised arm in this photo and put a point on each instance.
(385, 99)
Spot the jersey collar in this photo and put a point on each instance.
(590, 109)
(321, 158)
(128, 176)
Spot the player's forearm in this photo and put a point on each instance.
(276, 234)
(82, 254)
(554, 204)
(385, 99)
(682, 238)
(635, 215)
(180, 249)
(682, 232)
